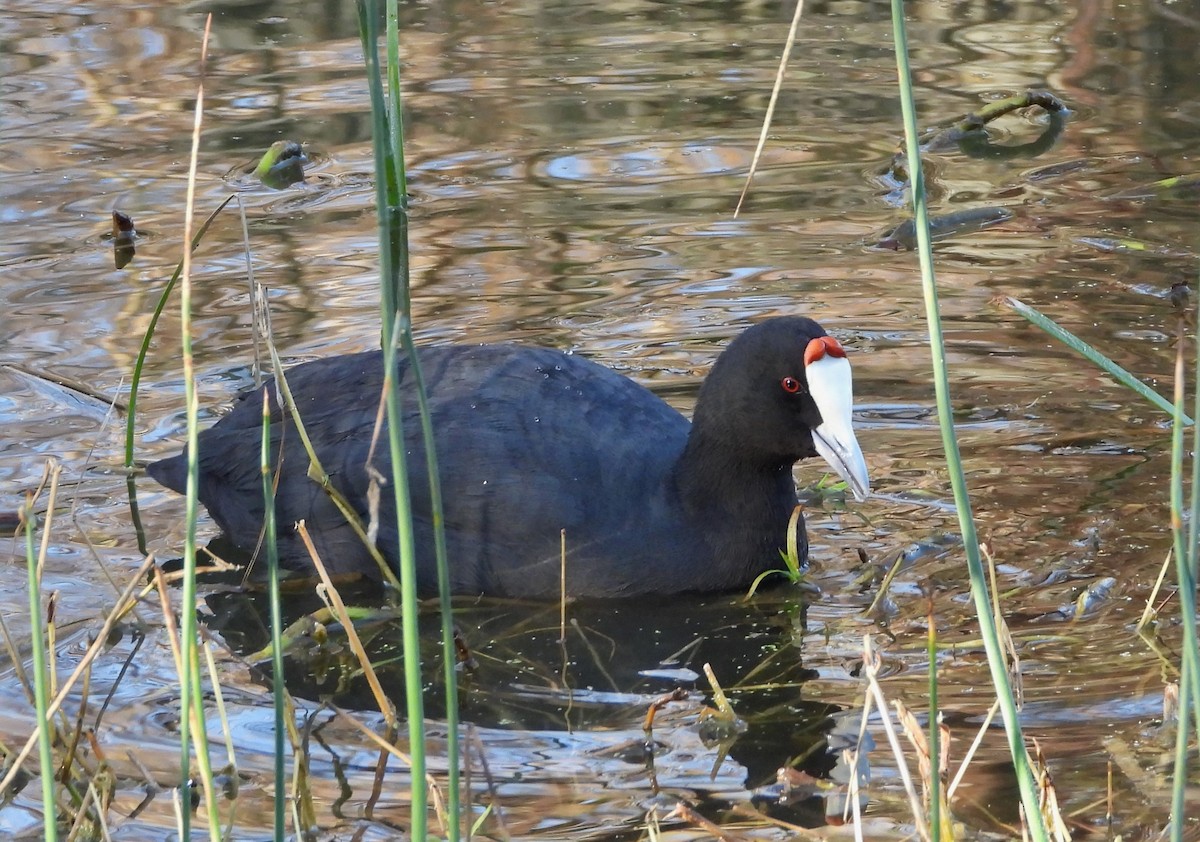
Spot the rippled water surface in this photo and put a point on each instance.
(574, 168)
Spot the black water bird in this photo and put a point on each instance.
(532, 441)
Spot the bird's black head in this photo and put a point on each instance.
(782, 391)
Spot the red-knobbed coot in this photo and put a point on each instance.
(532, 441)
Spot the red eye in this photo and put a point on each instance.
(790, 385)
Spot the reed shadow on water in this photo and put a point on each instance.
(517, 673)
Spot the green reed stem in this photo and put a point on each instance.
(276, 609)
(1121, 375)
(398, 177)
(41, 688)
(391, 183)
(391, 206)
(317, 472)
(144, 350)
(190, 702)
(1179, 781)
(1189, 563)
(203, 759)
(449, 655)
(962, 500)
(400, 201)
(413, 685)
(397, 182)
(1190, 570)
(1185, 552)
(1193, 541)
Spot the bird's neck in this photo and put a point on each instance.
(715, 479)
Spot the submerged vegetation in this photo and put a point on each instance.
(343, 653)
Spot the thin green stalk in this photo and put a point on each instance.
(397, 176)
(41, 692)
(222, 711)
(400, 204)
(1179, 780)
(144, 350)
(1188, 700)
(393, 255)
(979, 591)
(1184, 552)
(276, 607)
(449, 655)
(316, 471)
(392, 205)
(411, 636)
(135, 381)
(189, 697)
(1094, 356)
(203, 759)
(1189, 564)
(369, 34)
(389, 202)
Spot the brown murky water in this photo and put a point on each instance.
(574, 168)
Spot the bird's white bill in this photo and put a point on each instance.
(831, 385)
